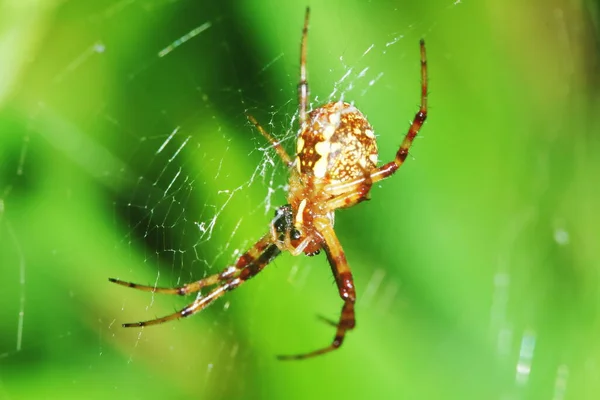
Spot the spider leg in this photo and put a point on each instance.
(303, 85)
(180, 290)
(248, 264)
(349, 194)
(276, 144)
(345, 284)
(327, 321)
(198, 305)
(391, 167)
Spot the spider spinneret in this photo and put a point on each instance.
(335, 167)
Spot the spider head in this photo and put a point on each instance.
(284, 223)
(292, 231)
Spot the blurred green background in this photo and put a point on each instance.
(125, 152)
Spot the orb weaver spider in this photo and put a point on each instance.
(335, 167)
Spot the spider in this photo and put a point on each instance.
(335, 167)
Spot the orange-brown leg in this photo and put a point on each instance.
(303, 85)
(275, 143)
(345, 284)
(248, 265)
(349, 195)
(391, 167)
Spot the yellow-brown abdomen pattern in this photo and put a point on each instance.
(336, 144)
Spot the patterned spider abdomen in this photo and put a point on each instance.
(337, 144)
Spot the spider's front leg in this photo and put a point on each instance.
(345, 284)
(247, 265)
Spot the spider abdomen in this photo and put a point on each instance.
(337, 144)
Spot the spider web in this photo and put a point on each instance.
(126, 152)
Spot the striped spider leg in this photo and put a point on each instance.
(246, 266)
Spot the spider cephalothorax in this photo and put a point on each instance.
(335, 167)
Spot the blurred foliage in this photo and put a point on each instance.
(477, 265)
